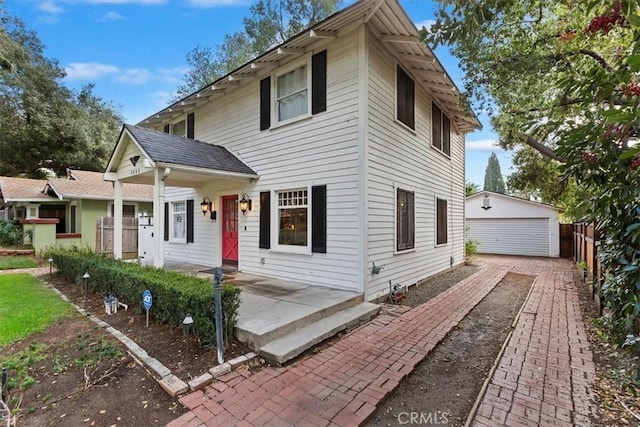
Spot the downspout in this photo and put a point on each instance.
(363, 157)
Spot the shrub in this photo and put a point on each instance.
(10, 233)
(174, 295)
(470, 251)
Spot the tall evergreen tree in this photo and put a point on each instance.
(493, 180)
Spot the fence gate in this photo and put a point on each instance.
(566, 240)
(104, 236)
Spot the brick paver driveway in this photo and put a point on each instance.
(542, 379)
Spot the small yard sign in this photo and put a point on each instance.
(147, 300)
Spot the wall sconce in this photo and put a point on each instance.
(245, 203)
(486, 202)
(207, 206)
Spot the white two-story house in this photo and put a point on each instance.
(341, 148)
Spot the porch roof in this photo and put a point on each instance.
(164, 148)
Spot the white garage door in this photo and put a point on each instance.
(523, 236)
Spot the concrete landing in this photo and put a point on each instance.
(271, 309)
(293, 344)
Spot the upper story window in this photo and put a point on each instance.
(405, 98)
(179, 128)
(295, 93)
(292, 94)
(440, 130)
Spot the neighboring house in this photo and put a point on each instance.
(344, 145)
(508, 225)
(72, 204)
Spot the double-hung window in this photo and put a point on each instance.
(405, 98)
(179, 221)
(405, 220)
(292, 94)
(440, 130)
(292, 217)
(441, 222)
(179, 128)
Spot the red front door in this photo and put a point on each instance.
(230, 230)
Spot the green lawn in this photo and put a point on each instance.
(10, 262)
(26, 306)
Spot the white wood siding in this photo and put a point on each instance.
(319, 150)
(400, 158)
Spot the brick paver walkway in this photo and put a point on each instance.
(542, 378)
(544, 374)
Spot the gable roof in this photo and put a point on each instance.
(163, 147)
(386, 19)
(507, 196)
(91, 185)
(23, 190)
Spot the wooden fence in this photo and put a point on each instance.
(586, 243)
(104, 236)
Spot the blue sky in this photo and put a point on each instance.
(134, 51)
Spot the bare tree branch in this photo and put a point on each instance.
(543, 149)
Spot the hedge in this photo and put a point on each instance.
(174, 295)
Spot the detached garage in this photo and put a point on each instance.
(510, 225)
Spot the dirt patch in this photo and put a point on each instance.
(432, 286)
(444, 386)
(80, 375)
(165, 342)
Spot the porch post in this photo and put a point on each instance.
(158, 217)
(117, 219)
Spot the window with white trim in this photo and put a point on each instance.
(441, 222)
(440, 130)
(179, 128)
(292, 217)
(405, 220)
(292, 94)
(179, 221)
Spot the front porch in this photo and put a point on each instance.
(281, 319)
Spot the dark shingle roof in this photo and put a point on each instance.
(166, 148)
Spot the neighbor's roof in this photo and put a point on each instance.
(23, 189)
(162, 147)
(386, 19)
(91, 185)
(507, 196)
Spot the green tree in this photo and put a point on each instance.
(270, 23)
(562, 77)
(42, 123)
(493, 180)
(470, 188)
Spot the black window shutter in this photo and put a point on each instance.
(411, 95)
(319, 219)
(411, 221)
(319, 82)
(265, 220)
(265, 103)
(446, 135)
(167, 128)
(166, 221)
(191, 118)
(190, 221)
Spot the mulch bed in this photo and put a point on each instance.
(165, 342)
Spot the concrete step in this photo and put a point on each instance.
(263, 320)
(286, 348)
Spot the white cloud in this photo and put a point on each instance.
(89, 70)
(111, 16)
(217, 3)
(171, 75)
(483, 145)
(135, 76)
(426, 23)
(49, 6)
